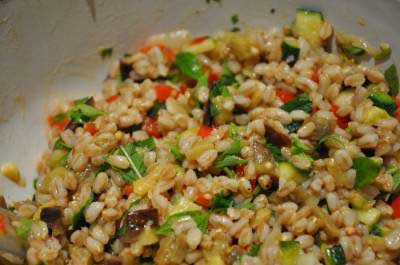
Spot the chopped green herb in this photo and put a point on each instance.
(34, 183)
(392, 79)
(84, 100)
(395, 173)
(254, 249)
(293, 126)
(220, 88)
(335, 255)
(200, 218)
(298, 147)
(376, 230)
(82, 113)
(221, 202)
(24, 228)
(177, 153)
(233, 131)
(301, 102)
(148, 143)
(233, 149)
(188, 65)
(157, 106)
(106, 52)
(235, 19)
(136, 163)
(229, 172)
(60, 117)
(383, 101)
(230, 160)
(60, 145)
(78, 220)
(366, 171)
(247, 205)
(276, 152)
(331, 138)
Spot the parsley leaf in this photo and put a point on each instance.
(78, 219)
(298, 147)
(301, 102)
(136, 162)
(157, 106)
(60, 145)
(177, 153)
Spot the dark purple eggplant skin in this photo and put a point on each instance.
(51, 215)
(136, 220)
(3, 203)
(275, 137)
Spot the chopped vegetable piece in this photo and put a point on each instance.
(137, 220)
(177, 153)
(366, 171)
(290, 50)
(199, 39)
(233, 131)
(188, 65)
(212, 78)
(78, 220)
(383, 101)
(163, 92)
(206, 45)
(90, 127)
(342, 122)
(284, 95)
(395, 172)
(135, 161)
(369, 217)
(230, 160)
(106, 52)
(374, 114)
(247, 205)
(288, 172)
(112, 98)
(392, 79)
(307, 25)
(240, 170)
(203, 201)
(152, 128)
(384, 51)
(229, 172)
(204, 131)
(166, 51)
(221, 202)
(3, 224)
(254, 249)
(127, 189)
(396, 207)
(200, 218)
(301, 102)
(315, 76)
(11, 171)
(276, 152)
(23, 228)
(289, 252)
(332, 140)
(335, 255)
(59, 125)
(233, 149)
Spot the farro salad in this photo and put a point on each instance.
(245, 147)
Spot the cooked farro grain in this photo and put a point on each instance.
(193, 156)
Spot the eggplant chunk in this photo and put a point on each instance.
(50, 215)
(324, 125)
(276, 134)
(137, 220)
(3, 203)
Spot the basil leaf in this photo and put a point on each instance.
(392, 79)
(148, 143)
(157, 106)
(276, 152)
(221, 202)
(24, 228)
(188, 64)
(298, 147)
(366, 171)
(78, 219)
(177, 153)
(253, 252)
(301, 102)
(235, 148)
(230, 160)
(60, 145)
(200, 218)
(89, 111)
(294, 126)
